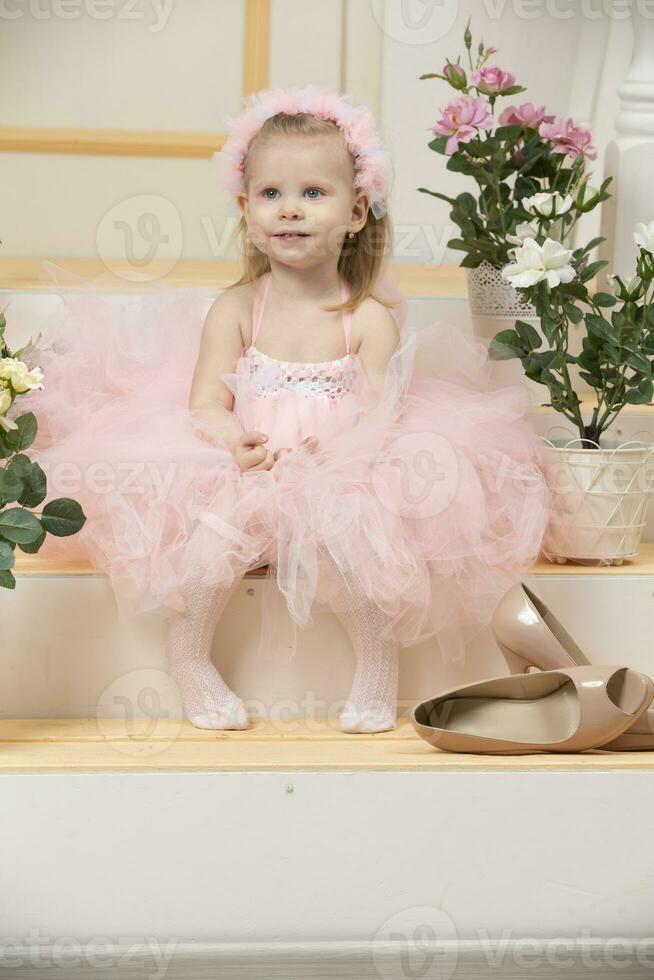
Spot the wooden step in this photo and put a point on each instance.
(26, 275)
(164, 745)
(642, 564)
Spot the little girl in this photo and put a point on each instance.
(304, 429)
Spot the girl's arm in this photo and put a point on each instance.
(379, 339)
(210, 400)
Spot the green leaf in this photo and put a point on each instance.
(471, 261)
(646, 387)
(24, 435)
(573, 312)
(467, 202)
(7, 580)
(633, 397)
(438, 144)
(576, 289)
(18, 525)
(528, 334)
(593, 380)
(589, 360)
(31, 547)
(505, 345)
(513, 90)
(508, 132)
(62, 517)
(580, 252)
(524, 187)
(529, 165)
(459, 245)
(31, 475)
(7, 558)
(642, 395)
(591, 270)
(5, 448)
(11, 487)
(636, 360)
(604, 299)
(598, 326)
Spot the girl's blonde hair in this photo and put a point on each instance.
(362, 259)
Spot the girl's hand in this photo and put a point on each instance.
(250, 453)
(311, 442)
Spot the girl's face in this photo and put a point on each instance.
(301, 203)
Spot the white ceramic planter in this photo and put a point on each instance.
(495, 305)
(600, 498)
(492, 296)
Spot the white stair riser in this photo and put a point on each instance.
(76, 660)
(308, 856)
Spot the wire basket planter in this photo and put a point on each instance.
(600, 498)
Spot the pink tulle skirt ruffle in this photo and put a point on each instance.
(432, 503)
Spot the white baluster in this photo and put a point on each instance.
(630, 156)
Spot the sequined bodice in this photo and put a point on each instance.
(269, 377)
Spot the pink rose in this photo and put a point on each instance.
(567, 138)
(492, 80)
(524, 115)
(462, 120)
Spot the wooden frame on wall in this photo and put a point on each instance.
(24, 274)
(118, 142)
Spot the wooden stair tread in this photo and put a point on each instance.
(108, 745)
(642, 564)
(587, 405)
(26, 274)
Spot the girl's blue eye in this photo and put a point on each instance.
(265, 192)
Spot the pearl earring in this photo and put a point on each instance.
(351, 235)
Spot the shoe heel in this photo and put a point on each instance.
(515, 663)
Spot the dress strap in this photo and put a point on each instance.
(347, 317)
(259, 303)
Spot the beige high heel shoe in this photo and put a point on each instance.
(528, 634)
(567, 710)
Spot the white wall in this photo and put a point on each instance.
(572, 65)
(178, 66)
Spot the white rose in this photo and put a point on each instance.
(22, 379)
(547, 205)
(535, 263)
(5, 404)
(526, 229)
(644, 235)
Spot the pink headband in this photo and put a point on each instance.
(357, 124)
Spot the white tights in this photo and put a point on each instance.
(372, 703)
(208, 701)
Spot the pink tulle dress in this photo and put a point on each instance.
(429, 499)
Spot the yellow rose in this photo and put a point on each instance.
(5, 403)
(21, 378)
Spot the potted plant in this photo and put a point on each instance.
(23, 483)
(601, 489)
(519, 161)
